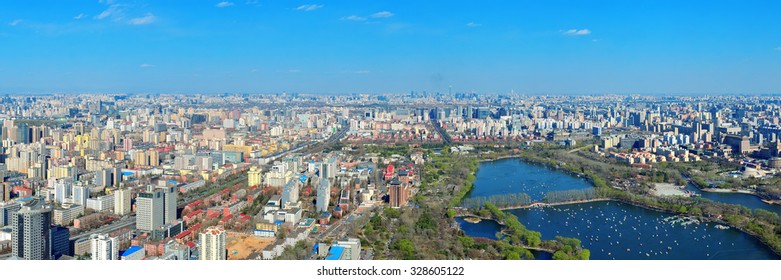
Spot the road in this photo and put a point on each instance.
(125, 222)
(313, 147)
(442, 133)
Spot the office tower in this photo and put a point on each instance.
(80, 195)
(30, 238)
(213, 244)
(323, 195)
(122, 201)
(150, 211)
(169, 204)
(60, 242)
(104, 248)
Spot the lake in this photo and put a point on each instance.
(510, 176)
(610, 230)
(748, 200)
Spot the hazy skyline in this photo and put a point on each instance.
(555, 47)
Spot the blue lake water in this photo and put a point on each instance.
(748, 200)
(612, 230)
(510, 176)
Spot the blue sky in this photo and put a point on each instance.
(363, 46)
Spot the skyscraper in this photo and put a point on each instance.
(213, 244)
(169, 204)
(104, 248)
(122, 201)
(30, 238)
(150, 212)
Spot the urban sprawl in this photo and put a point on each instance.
(270, 176)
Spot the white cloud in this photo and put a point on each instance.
(15, 22)
(115, 11)
(309, 7)
(146, 65)
(472, 24)
(80, 16)
(577, 32)
(383, 14)
(147, 19)
(354, 18)
(224, 4)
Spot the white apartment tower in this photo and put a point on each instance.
(122, 201)
(213, 244)
(104, 248)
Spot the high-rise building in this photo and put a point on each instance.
(290, 192)
(398, 194)
(254, 177)
(323, 195)
(31, 235)
(149, 209)
(122, 201)
(80, 195)
(5, 189)
(60, 242)
(7, 210)
(154, 157)
(62, 190)
(169, 204)
(104, 248)
(213, 244)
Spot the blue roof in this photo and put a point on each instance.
(335, 253)
(127, 173)
(131, 250)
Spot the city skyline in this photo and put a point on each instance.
(715, 47)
